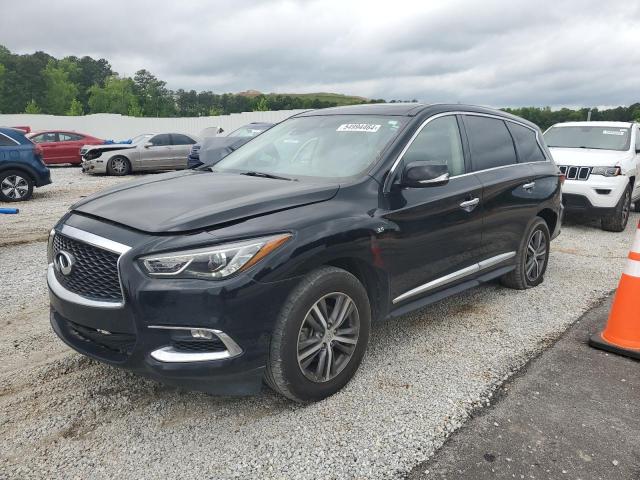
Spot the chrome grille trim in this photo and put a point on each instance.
(98, 242)
(572, 172)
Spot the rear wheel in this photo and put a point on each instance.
(617, 221)
(531, 259)
(320, 336)
(15, 186)
(118, 166)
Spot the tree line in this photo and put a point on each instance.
(40, 83)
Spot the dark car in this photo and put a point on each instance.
(21, 166)
(213, 149)
(273, 264)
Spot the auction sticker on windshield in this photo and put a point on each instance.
(358, 127)
(613, 132)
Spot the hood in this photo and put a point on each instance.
(212, 150)
(108, 146)
(588, 157)
(193, 200)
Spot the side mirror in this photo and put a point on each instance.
(148, 144)
(425, 174)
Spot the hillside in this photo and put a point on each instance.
(337, 98)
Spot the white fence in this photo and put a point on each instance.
(120, 127)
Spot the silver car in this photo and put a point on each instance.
(147, 152)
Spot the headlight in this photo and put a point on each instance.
(606, 171)
(215, 262)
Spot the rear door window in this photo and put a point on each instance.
(526, 143)
(161, 140)
(438, 142)
(69, 137)
(490, 142)
(180, 139)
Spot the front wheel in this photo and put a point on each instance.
(617, 221)
(532, 258)
(320, 336)
(118, 166)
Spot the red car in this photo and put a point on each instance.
(61, 146)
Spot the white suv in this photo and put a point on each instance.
(600, 164)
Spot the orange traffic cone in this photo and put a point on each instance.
(622, 333)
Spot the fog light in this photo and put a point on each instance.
(201, 333)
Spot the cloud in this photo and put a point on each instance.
(561, 52)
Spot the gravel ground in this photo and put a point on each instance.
(49, 203)
(64, 415)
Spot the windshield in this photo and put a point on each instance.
(332, 146)
(248, 131)
(141, 138)
(601, 138)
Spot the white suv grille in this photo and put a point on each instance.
(575, 173)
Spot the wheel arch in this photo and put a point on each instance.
(550, 217)
(375, 282)
(20, 167)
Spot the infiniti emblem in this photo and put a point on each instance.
(64, 262)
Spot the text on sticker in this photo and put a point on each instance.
(613, 132)
(358, 127)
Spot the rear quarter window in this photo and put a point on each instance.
(526, 143)
(6, 141)
(490, 142)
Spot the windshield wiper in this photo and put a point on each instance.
(265, 175)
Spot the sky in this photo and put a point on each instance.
(492, 52)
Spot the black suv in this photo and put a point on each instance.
(273, 264)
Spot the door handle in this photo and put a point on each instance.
(469, 205)
(529, 186)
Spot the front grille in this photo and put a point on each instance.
(575, 173)
(95, 272)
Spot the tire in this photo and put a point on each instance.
(525, 274)
(118, 166)
(617, 221)
(291, 369)
(15, 186)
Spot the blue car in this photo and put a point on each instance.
(21, 166)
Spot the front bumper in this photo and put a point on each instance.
(94, 166)
(147, 331)
(598, 194)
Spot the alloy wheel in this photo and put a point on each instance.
(14, 186)
(536, 255)
(328, 337)
(118, 165)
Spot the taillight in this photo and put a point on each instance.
(38, 150)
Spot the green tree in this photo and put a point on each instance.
(75, 109)
(60, 91)
(3, 71)
(116, 96)
(262, 105)
(153, 96)
(32, 107)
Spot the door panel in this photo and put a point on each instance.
(434, 236)
(158, 156)
(507, 207)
